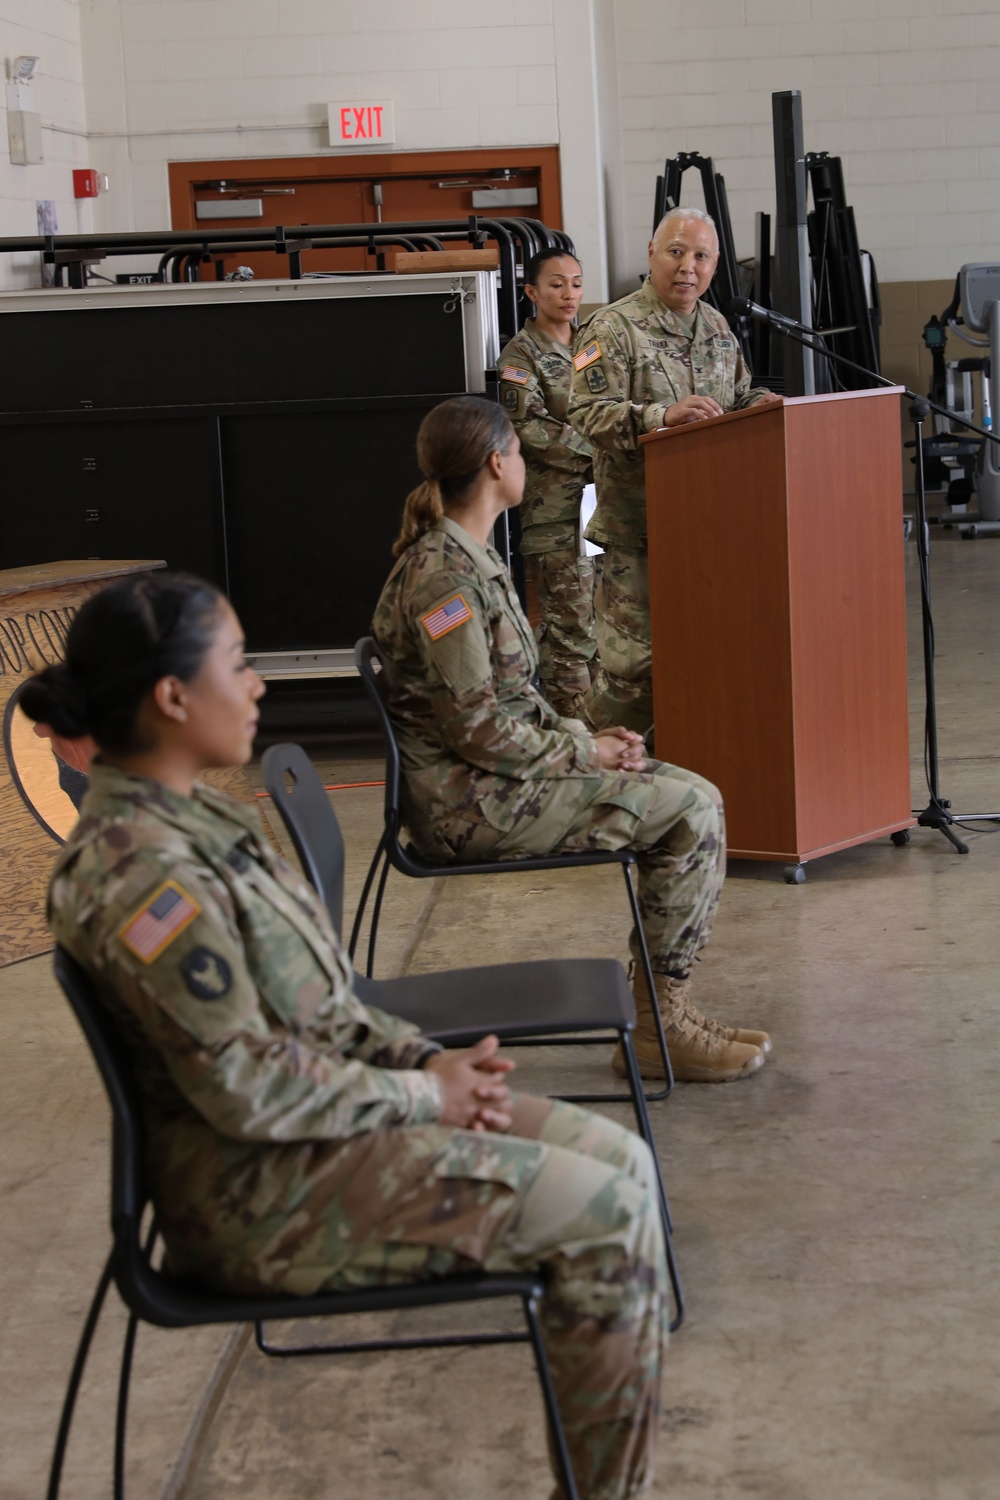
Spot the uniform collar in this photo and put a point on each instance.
(545, 342)
(486, 560)
(216, 822)
(669, 319)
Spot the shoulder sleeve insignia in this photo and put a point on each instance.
(207, 974)
(587, 355)
(597, 381)
(158, 921)
(511, 372)
(447, 616)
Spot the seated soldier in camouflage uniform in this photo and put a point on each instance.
(656, 358)
(298, 1139)
(490, 770)
(535, 371)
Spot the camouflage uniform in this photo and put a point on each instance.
(292, 1136)
(491, 771)
(633, 360)
(535, 374)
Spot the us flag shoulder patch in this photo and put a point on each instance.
(158, 921)
(587, 355)
(447, 616)
(511, 372)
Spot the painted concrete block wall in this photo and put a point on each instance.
(49, 30)
(906, 92)
(178, 79)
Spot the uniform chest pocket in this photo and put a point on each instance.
(513, 654)
(281, 950)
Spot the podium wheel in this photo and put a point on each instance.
(900, 837)
(795, 874)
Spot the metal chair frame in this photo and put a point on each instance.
(375, 674)
(153, 1296)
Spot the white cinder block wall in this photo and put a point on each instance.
(907, 92)
(49, 30)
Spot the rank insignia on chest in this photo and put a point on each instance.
(452, 613)
(158, 921)
(587, 356)
(511, 372)
(597, 380)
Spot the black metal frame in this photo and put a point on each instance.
(183, 251)
(392, 851)
(152, 1296)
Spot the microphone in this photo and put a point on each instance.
(742, 307)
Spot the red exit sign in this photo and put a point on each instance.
(363, 124)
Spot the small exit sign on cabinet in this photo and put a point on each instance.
(369, 123)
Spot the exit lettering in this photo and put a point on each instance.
(353, 124)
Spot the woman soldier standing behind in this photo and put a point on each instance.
(536, 368)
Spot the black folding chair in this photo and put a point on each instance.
(546, 1000)
(375, 674)
(153, 1296)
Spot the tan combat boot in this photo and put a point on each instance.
(758, 1039)
(697, 1054)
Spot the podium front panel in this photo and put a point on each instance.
(719, 603)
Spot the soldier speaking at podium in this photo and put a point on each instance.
(659, 357)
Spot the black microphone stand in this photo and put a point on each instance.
(937, 813)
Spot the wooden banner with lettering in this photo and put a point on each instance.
(43, 777)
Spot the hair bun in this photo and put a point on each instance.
(57, 697)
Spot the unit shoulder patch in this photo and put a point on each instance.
(207, 975)
(588, 355)
(511, 372)
(160, 919)
(597, 381)
(447, 616)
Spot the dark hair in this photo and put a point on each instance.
(541, 258)
(454, 442)
(122, 641)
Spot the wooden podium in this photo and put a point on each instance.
(778, 619)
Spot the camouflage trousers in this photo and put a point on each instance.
(567, 646)
(573, 1193)
(672, 818)
(622, 690)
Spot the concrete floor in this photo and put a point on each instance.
(837, 1217)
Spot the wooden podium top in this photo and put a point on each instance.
(51, 575)
(760, 408)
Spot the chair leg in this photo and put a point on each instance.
(376, 913)
(121, 1416)
(365, 891)
(647, 969)
(558, 1436)
(76, 1375)
(645, 1130)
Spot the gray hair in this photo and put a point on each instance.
(686, 213)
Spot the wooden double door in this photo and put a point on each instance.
(344, 189)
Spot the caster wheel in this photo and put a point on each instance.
(900, 837)
(970, 533)
(907, 529)
(795, 874)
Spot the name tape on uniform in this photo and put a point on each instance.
(511, 372)
(158, 921)
(447, 616)
(587, 356)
